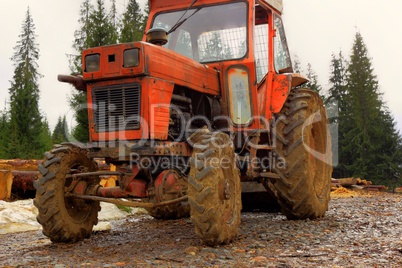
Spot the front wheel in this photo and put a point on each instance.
(303, 156)
(64, 218)
(214, 192)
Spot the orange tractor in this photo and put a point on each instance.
(205, 106)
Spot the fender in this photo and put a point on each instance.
(282, 84)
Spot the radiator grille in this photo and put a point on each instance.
(117, 108)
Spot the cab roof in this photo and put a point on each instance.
(171, 4)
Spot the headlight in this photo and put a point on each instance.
(92, 63)
(131, 58)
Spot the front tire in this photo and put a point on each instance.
(64, 219)
(303, 156)
(214, 192)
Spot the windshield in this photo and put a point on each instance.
(213, 33)
(283, 63)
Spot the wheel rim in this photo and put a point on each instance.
(77, 209)
(317, 143)
(229, 204)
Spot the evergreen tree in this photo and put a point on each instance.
(313, 80)
(133, 25)
(26, 124)
(102, 31)
(60, 132)
(82, 36)
(114, 22)
(297, 65)
(82, 41)
(3, 134)
(334, 102)
(146, 16)
(96, 29)
(337, 80)
(46, 136)
(78, 103)
(369, 142)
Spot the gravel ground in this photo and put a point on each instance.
(358, 231)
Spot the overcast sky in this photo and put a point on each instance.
(315, 29)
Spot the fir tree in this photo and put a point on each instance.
(102, 31)
(3, 134)
(26, 124)
(96, 29)
(78, 103)
(46, 136)
(334, 102)
(60, 132)
(82, 36)
(297, 65)
(132, 28)
(368, 139)
(114, 23)
(313, 80)
(146, 16)
(337, 78)
(82, 41)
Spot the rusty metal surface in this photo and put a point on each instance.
(97, 173)
(77, 81)
(164, 149)
(136, 188)
(130, 203)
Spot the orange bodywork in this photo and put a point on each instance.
(157, 72)
(160, 71)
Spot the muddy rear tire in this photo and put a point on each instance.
(303, 157)
(64, 219)
(167, 192)
(214, 192)
(171, 212)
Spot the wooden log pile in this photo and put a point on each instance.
(356, 184)
(17, 177)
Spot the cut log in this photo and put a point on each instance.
(380, 188)
(17, 177)
(347, 182)
(23, 180)
(6, 181)
(363, 182)
(19, 164)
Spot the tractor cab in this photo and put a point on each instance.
(238, 39)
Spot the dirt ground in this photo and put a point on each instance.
(358, 231)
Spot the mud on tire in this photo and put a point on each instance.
(170, 212)
(303, 144)
(64, 219)
(214, 192)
